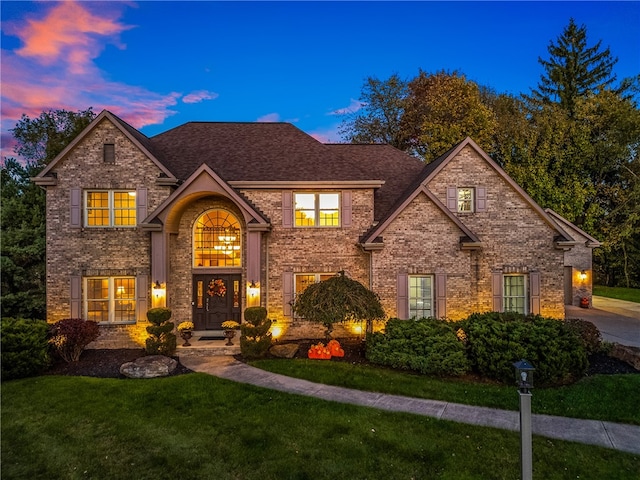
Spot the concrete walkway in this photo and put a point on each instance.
(617, 320)
(593, 432)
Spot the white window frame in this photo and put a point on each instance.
(508, 300)
(415, 299)
(462, 201)
(110, 207)
(317, 210)
(111, 300)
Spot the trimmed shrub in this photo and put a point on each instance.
(428, 346)
(24, 346)
(587, 332)
(255, 338)
(496, 340)
(255, 315)
(70, 336)
(161, 341)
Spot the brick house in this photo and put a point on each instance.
(209, 218)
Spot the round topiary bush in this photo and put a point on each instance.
(161, 340)
(255, 338)
(427, 346)
(496, 340)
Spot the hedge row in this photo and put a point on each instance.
(487, 344)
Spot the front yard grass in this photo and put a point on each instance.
(620, 293)
(197, 426)
(601, 397)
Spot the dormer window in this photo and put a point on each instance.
(465, 200)
(109, 153)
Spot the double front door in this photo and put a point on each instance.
(216, 299)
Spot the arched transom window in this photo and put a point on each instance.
(217, 240)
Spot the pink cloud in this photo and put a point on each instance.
(55, 69)
(199, 96)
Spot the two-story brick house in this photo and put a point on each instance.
(209, 218)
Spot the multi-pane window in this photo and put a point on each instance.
(217, 240)
(110, 208)
(317, 209)
(514, 295)
(465, 200)
(420, 296)
(110, 299)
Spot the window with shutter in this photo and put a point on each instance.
(109, 153)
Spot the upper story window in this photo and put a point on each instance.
(217, 240)
(109, 153)
(465, 200)
(317, 209)
(110, 299)
(110, 208)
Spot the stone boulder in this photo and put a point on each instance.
(150, 366)
(285, 350)
(628, 354)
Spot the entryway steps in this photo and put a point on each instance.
(205, 348)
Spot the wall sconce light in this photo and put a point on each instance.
(158, 289)
(254, 289)
(583, 275)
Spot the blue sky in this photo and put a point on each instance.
(158, 64)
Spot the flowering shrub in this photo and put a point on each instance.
(185, 326)
(230, 325)
(70, 336)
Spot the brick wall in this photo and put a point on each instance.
(514, 236)
(73, 251)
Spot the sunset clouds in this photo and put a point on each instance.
(55, 67)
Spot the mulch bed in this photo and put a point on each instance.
(105, 363)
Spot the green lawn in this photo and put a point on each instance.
(197, 426)
(620, 293)
(601, 397)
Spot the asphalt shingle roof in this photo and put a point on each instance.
(282, 152)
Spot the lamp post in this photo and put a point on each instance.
(524, 380)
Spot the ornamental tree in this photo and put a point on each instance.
(338, 299)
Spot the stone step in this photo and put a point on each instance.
(203, 348)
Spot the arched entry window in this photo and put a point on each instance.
(217, 240)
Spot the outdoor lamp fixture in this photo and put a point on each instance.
(253, 289)
(157, 286)
(583, 275)
(524, 380)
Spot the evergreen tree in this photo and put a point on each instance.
(23, 211)
(573, 70)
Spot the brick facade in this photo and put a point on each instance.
(421, 238)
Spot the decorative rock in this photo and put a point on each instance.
(286, 350)
(150, 366)
(628, 354)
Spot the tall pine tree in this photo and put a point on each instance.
(574, 70)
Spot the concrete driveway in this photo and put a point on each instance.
(617, 320)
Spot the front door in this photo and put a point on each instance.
(216, 298)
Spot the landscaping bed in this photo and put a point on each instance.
(105, 363)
